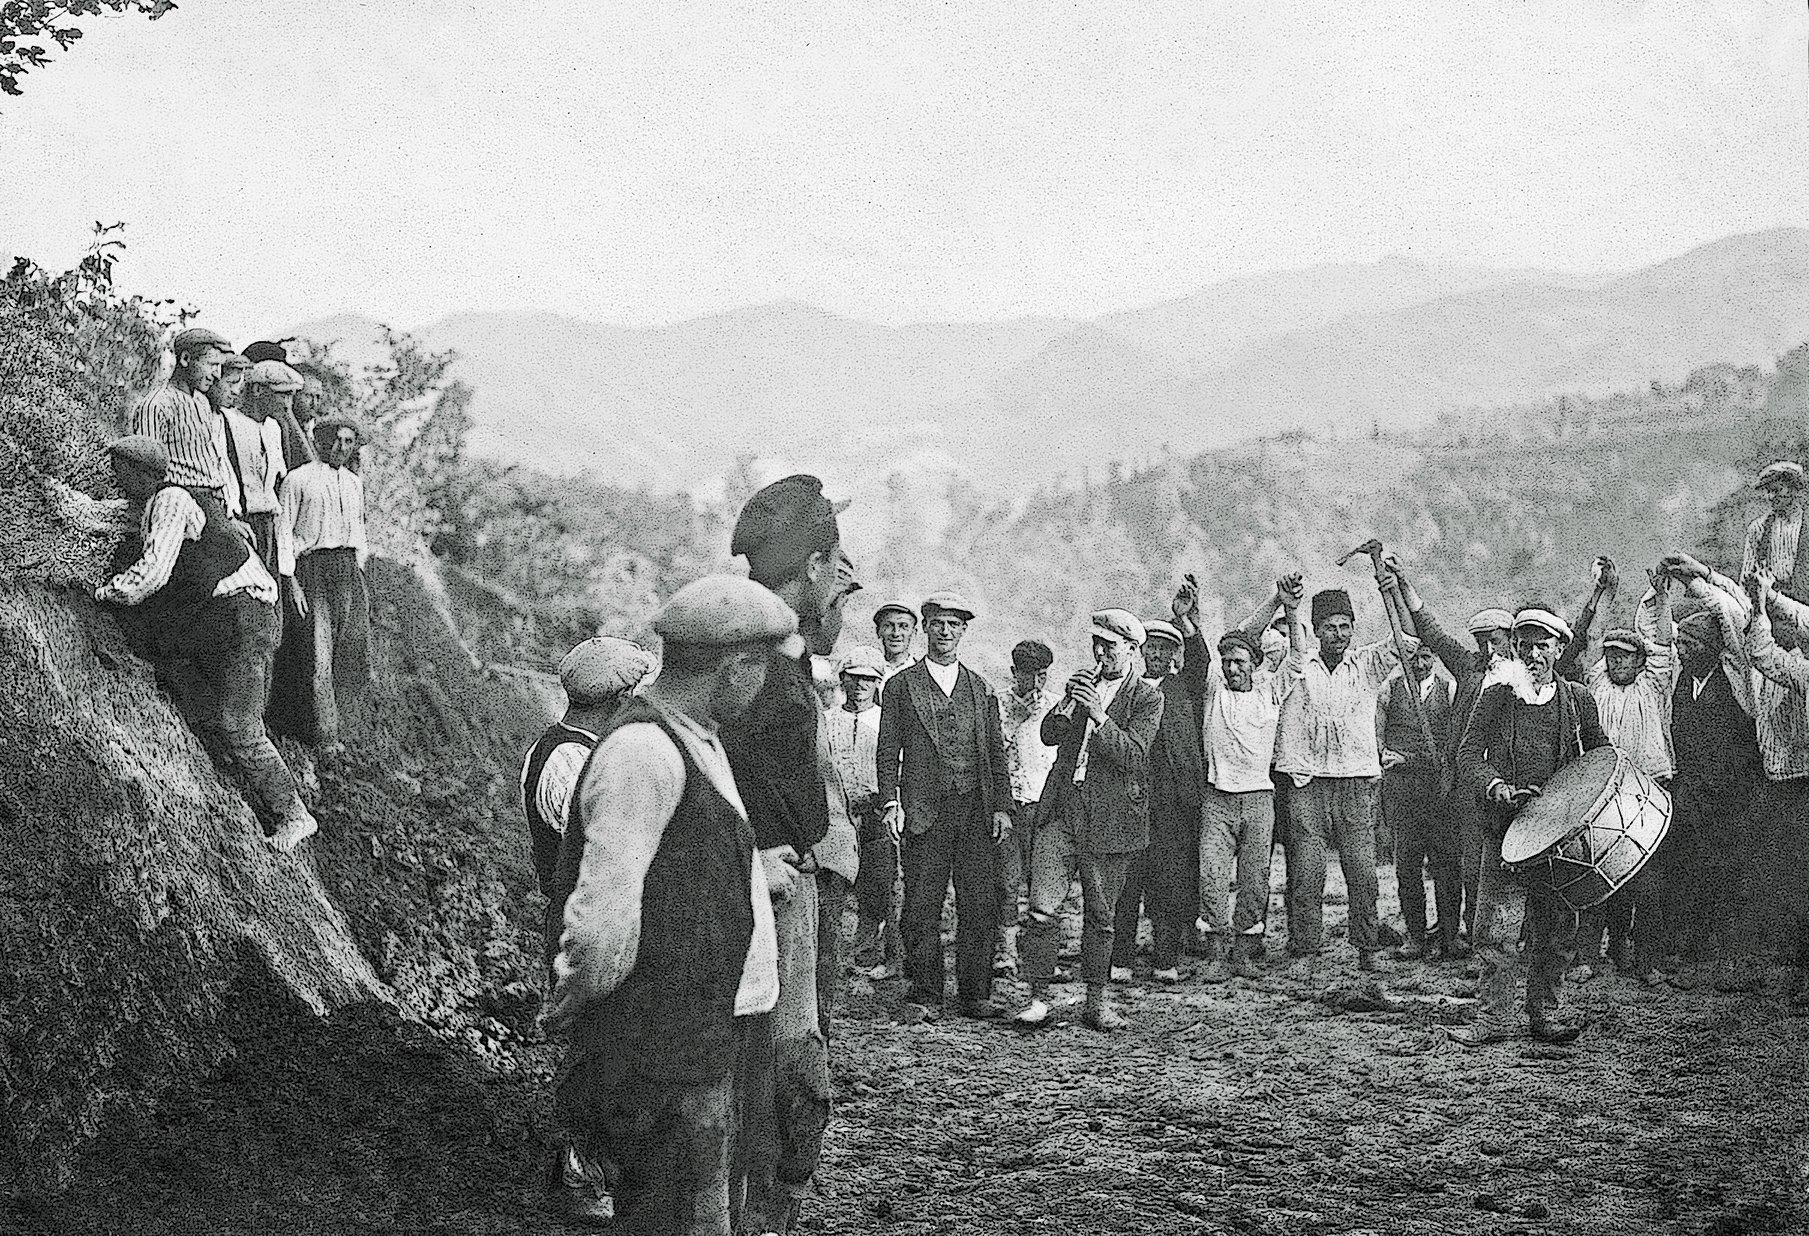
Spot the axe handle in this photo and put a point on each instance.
(1389, 603)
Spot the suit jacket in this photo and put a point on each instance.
(910, 755)
(1116, 793)
(772, 750)
(1178, 755)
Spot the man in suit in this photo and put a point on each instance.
(1094, 814)
(1413, 802)
(946, 788)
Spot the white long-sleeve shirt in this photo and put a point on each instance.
(633, 790)
(262, 466)
(171, 517)
(1782, 713)
(325, 509)
(1028, 760)
(854, 742)
(1328, 722)
(1637, 717)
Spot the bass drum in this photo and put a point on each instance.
(1590, 830)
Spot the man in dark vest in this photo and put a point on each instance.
(1165, 875)
(668, 955)
(789, 535)
(946, 791)
(1528, 724)
(1093, 816)
(597, 676)
(1414, 803)
(202, 601)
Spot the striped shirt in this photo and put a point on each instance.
(324, 507)
(195, 437)
(1771, 542)
(1637, 717)
(1782, 712)
(170, 518)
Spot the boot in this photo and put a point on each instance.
(1099, 1013)
(1243, 957)
(1414, 949)
(1217, 970)
(863, 950)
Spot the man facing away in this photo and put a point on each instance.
(1025, 706)
(1093, 817)
(946, 793)
(201, 599)
(323, 503)
(668, 958)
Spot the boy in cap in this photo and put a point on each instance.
(1775, 539)
(1166, 873)
(1094, 814)
(854, 742)
(1029, 762)
(323, 503)
(789, 535)
(199, 596)
(668, 958)
(1327, 747)
(597, 676)
(177, 414)
(946, 794)
(1528, 724)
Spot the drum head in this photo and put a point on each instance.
(1561, 808)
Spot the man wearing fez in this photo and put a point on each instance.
(177, 414)
(790, 538)
(1774, 540)
(946, 794)
(323, 503)
(1327, 747)
(1094, 815)
(1165, 875)
(1029, 762)
(198, 596)
(668, 961)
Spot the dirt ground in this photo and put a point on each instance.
(1258, 1107)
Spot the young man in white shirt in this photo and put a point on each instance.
(1028, 702)
(853, 731)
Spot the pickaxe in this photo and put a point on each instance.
(1396, 606)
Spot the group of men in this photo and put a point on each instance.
(250, 557)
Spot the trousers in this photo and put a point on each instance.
(1331, 811)
(1236, 839)
(957, 848)
(1426, 843)
(1164, 880)
(338, 622)
(1505, 909)
(1057, 858)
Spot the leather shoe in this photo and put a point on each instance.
(916, 1014)
(1372, 963)
(982, 1010)
(1476, 1036)
(1556, 1033)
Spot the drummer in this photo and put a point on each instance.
(1528, 723)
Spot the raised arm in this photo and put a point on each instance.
(1585, 646)
(1196, 653)
(1452, 652)
(1784, 668)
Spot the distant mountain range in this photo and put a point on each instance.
(1335, 349)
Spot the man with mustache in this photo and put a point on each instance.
(1775, 541)
(1528, 723)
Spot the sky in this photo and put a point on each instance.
(641, 163)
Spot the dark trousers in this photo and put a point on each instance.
(832, 899)
(1015, 853)
(326, 651)
(1057, 858)
(263, 540)
(957, 847)
(1426, 843)
(1466, 812)
(1781, 869)
(1520, 929)
(1697, 885)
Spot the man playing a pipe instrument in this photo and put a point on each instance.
(1528, 724)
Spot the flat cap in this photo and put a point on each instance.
(1782, 470)
(276, 375)
(1624, 639)
(724, 609)
(235, 361)
(599, 669)
(340, 420)
(1273, 641)
(864, 662)
(1119, 625)
(1156, 628)
(894, 607)
(1542, 620)
(197, 337)
(264, 350)
(1485, 620)
(1032, 656)
(947, 603)
(782, 526)
(145, 451)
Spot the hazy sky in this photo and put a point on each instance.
(645, 162)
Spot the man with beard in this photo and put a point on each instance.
(1528, 724)
(1166, 873)
(946, 792)
(1327, 746)
(323, 503)
(178, 415)
(1094, 815)
(667, 960)
(1029, 760)
(778, 748)
(1775, 541)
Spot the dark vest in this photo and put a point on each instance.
(167, 618)
(673, 1017)
(957, 736)
(541, 832)
(1177, 756)
(1715, 741)
(1400, 726)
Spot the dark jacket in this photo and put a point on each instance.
(1178, 756)
(1488, 750)
(1116, 792)
(1467, 668)
(910, 757)
(1401, 727)
(772, 749)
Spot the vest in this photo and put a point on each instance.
(1401, 729)
(673, 1017)
(1715, 742)
(957, 727)
(541, 831)
(167, 618)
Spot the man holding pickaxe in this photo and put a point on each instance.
(1327, 747)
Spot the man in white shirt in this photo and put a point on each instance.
(853, 731)
(669, 945)
(255, 424)
(323, 503)
(1028, 702)
(1242, 712)
(1327, 747)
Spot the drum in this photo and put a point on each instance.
(1590, 830)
